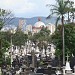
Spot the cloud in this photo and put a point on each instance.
(49, 1)
(18, 6)
(27, 8)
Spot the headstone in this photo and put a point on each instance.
(49, 69)
(23, 67)
(67, 68)
(40, 70)
(63, 70)
(0, 71)
(74, 69)
(72, 62)
(19, 71)
(55, 62)
(58, 72)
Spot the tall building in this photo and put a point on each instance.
(51, 27)
(38, 26)
(21, 24)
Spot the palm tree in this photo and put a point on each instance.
(71, 10)
(68, 10)
(60, 10)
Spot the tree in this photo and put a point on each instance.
(3, 45)
(5, 17)
(19, 38)
(69, 39)
(71, 10)
(42, 37)
(60, 10)
(68, 10)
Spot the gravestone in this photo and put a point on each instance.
(58, 72)
(41, 70)
(74, 69)
(55, 62)
(0, 71)
(19, 71)
(72, 63)
(68, 69)
(23, 67)
(49, 69)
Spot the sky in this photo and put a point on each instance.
(27, 8)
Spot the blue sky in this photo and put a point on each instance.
(27, 8)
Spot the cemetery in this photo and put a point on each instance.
(38, 45)
(34, 64)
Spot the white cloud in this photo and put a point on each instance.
(49, 1)
(27, 8)
(18, 6)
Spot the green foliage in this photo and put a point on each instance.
(41, 63)
(69, 39)
(3, 45)
(5, 17)
(8, 60)
(2, 12)
(60, 9)
(43, 35)
(1, 61)
(19, 38)
(71, 10)
(1, 24)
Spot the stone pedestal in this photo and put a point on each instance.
(68, 70)
(69, 73)
(63, 70)
(58, 72)
(49, 69)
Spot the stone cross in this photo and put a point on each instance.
(58, 72)
(67, 57)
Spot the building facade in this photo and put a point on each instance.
(38, 26)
